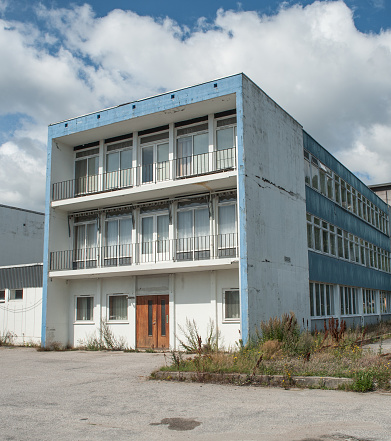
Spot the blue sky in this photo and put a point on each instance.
(369, 15)
(327, 63)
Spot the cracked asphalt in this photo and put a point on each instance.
(78, 395)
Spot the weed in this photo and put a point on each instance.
(335, 352)
(105, 341)
(192, 342)
(363, 381)
(7, 339)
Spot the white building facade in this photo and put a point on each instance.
(190, 205)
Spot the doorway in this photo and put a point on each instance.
(152, 322)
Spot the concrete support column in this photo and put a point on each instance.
(213, 298)
(337, 302)
(136, 160)
(102, 164)
(132, 309)
(171, 150)
(171, 293)
(211, 131)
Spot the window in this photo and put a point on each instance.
(225, 143)
(227, 236)
(16, 294)
(2, 295)
(85, 242)
(385, 302)
(118, 307)
(231, 304)
(86, 171)
(119, 165)
(321, 178)
(348, 297)
(369, 301)
(155, 245)
(118, 239)
(193, 230)
(321, 299)
(84, 308)
(192, 150)
(154, 156)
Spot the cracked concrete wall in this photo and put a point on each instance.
(21, 236)
(272, 213)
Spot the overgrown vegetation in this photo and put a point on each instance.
(105, 340)
(7, 339)
(279, 347)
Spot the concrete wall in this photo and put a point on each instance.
(194, 296)
(21, 236)
(22, 318)
(271, 194)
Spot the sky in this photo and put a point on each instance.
(327, 63)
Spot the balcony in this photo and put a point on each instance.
(190, 249)
(173, 170)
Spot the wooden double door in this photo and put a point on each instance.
(152, 322)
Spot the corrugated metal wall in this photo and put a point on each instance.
(29, 276)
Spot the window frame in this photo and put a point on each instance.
(89, 320)
(161, 170)
(12, 296)
(109, 316)
(224, 305)
(123, 176)
(192, 161)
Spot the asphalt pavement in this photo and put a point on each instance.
(78, 395)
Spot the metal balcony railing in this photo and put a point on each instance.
(179, 168)
(175, 250)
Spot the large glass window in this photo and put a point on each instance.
(119, 165)
(193, 233)
(118, 307)
(385, 301)
(348, 300)
(118, 239)
(225, 144)
(321, 299)
(227, 232)
(85, 244)
(369, 301)
(2, 295)
(86, 171)
(155, 164)
(192, 150)
(155, 245)
(84, 308)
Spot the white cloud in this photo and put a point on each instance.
(22, 173)
(312, 60)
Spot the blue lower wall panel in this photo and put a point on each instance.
(331, 270)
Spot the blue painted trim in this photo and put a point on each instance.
(46, 243)
(331, 270)
(320, 206)
(328, 159)
(147, 106)
(243, 279)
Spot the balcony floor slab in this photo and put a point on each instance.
(164, 189)
(147, 268)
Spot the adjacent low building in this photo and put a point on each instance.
(211, 204)
(21, 237)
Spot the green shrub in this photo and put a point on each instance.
(363, 381)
